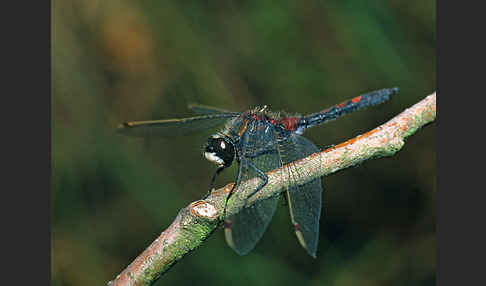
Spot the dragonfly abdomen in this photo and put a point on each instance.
(345, 107)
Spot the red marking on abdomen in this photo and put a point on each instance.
(342, 104)
(296, 227)
(227, 224)
(356, 99)
(290, 123)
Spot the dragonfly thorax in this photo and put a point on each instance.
(220, 150)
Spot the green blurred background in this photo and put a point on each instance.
(111, 195)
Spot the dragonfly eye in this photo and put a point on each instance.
(220, 150)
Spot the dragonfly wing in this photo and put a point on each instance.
(244, 230)
(204, 109)
(169, 127)
(260, 149)
(305, 201)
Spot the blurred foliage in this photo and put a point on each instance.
(111, 196)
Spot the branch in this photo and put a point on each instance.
(199, 220)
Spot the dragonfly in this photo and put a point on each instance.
(261, 141)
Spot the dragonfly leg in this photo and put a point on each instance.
(262, 184)
(237, 183)
(211, 184)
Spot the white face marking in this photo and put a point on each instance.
(223, 145)
(211, 157)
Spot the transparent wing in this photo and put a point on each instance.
(305, 201)
(169, 127)
(245, 229)
(204, 109)
(260, 149)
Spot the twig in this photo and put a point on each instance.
(197, 221)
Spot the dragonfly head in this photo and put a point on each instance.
(220, 150)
